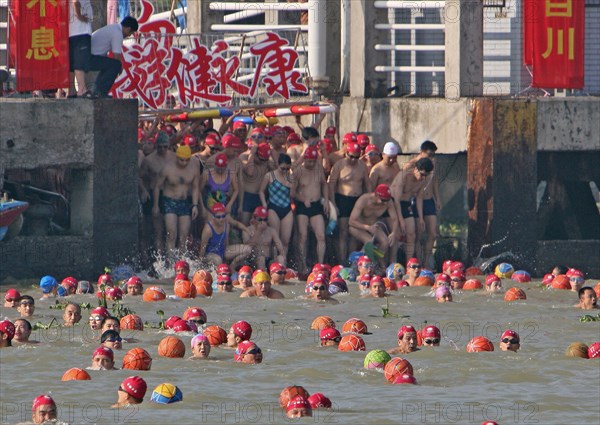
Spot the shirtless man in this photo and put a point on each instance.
(177, 179)
(431, 199)
(261, 238)
(384, 172)
(212, 146)
(308, 190)
(261, 287)
(310, 137)
(367, 219)
(407, 341)
(588, 299)
(348, 180)
(214, 241)
(149, 171)
(341, 153)
(407, 190)
(253, 173)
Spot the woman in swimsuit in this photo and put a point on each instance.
(278, 187)
(221, 185)
(214, 244)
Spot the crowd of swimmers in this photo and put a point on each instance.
(323, 283)
(251, 195)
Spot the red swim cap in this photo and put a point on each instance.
(8, 328)
(383, 191)
(319, 400)
(406, 329)
(298, 402)
(261, 212)
(104, 351)
(135, 386)
(42, 400)
(242, 329)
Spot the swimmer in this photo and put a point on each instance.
(224, 284)
(196, 315)
(103, 359)
(298, 407)
(364, 265)
(576, 279)
(377, 287)
(134, 286)
(407, 341)
(111, 339)
(413, 269)
(245, 277)
(509, 341)
(261, 287)
(365, 283)
(85, 287)
(72, 314)
(588, 300)
(223, 270)
(238, 332)
(26, 306)
(49, 287)
(7, 333)
(320, 289)
(70, 285)
(277, 272)
(263, 239)
(111, 323)
(457, 279)
(443, 294)
(182, 268)
(248, 352)
(22, 332)
(493, 283)
(12, 298)
(200, 347)
(330, 337)
(431, 336)
(131, 391)
(43, 409)
(560, 269)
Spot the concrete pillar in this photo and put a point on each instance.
(364, 81)
(464, 48)
(200, 18)
(502, 178)
(332, 43)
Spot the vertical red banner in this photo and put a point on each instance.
(42, 44)
(558, 44)
(528, 17)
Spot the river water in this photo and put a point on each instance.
(537, 385)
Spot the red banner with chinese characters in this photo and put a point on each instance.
(528, 17)
(558, 44)
(42, 44)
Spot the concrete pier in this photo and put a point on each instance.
(96, 142)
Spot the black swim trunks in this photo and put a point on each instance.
(409, 209)
(316, 208)
(179, 207)
(345, 204)
(429, 207)
(251, 201)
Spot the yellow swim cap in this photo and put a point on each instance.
(261, 277)
(184, 152)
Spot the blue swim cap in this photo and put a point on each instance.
(62, 291)
(122, 272)
(48, 283)
(354, 256)
(166, 393)
(427, 273)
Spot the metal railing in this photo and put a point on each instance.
(404, 66)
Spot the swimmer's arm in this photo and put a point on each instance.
(158, 185)
(234, 193)
(225, 124)
(397, 189)
(299, 122)
(332, 182)
(204, 240)
(236, 224)
(196, 194)
(354, 221)
(366, 180)
(324, 190)
(374, 177)
(263, 188)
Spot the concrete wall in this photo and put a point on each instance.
(97, 141)
(409, 122)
